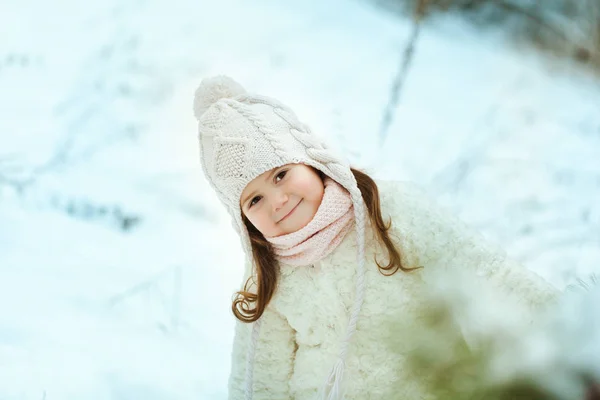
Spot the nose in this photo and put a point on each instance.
(279, 200)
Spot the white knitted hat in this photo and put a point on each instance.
(243, 135)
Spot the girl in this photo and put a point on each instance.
(332, 256)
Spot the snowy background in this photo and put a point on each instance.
(118, 264)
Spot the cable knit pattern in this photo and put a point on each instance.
(322, 234)
(308, 316)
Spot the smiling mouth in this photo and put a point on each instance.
(291, 212)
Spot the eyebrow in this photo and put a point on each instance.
(267, 178)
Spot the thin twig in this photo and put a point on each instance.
(402, 71)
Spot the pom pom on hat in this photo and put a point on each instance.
(213, 89)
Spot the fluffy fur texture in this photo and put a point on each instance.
(302, 326)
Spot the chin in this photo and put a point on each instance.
(303, 222)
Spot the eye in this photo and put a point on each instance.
(253, 202)
(281, 175)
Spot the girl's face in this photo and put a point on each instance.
(282, 200)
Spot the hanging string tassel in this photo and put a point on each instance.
(332, 390)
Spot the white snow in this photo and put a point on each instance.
(507, 138)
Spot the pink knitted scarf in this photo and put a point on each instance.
(334, 218)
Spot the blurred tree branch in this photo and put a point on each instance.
(17, 175)
(582, 52)
(11, 173)
(568, 28)
(421, 9)
(574, 28)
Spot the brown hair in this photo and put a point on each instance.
(267, 273)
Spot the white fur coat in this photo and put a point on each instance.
(306, 319)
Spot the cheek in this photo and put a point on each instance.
(312, 191)
(255, 219)
(320, 192)
(316, 194)
(260, 220)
